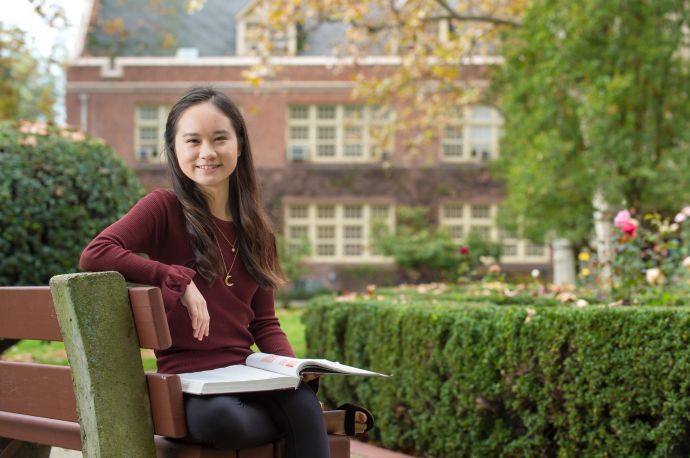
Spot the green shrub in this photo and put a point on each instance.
(512, 381)
(58, 190)
(424, 253)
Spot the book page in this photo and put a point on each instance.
(296, 366)
(234, 379)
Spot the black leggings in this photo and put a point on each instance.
(245, 420)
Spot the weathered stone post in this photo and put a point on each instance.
(95, 318)
(563, 263)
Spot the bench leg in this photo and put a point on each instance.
(20, 449)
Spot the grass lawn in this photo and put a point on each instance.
(54, 352)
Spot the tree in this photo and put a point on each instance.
(26, 87)
(432, 40)
(596, 100)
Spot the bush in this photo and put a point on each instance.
(485, 380)
(424, 253)
(59, 188)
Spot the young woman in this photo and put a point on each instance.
(211, 249)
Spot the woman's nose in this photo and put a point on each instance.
(207, 150)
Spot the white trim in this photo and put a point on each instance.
(167, 86)
(246, 10)
(247, 61)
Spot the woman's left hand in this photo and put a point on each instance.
(306, 378)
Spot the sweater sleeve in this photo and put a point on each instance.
(265, 327)
(139, 231)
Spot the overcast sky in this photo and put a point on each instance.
(42, 38)
(40, 34)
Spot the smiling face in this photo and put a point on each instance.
(206, 146)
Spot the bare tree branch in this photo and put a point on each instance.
(476, 18)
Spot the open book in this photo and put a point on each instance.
(263, 372)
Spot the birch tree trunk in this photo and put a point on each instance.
(603, 228)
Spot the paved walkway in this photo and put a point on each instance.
(357, 449)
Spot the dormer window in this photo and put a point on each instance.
(254, 34)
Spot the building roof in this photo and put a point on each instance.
(160, 28)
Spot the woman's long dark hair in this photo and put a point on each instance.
(255, 236)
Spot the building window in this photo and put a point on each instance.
(338, 232)
(148, 139)
(462, 219)
(254, 35)
(337, 133)
(472, 135)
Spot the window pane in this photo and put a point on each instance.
(325, 133)
(354, 112)
(452, 150)
(534, 250)
(325, 150)
(509, 250)
(299, 133)
(353, 211)
(482, 231)
(353, 232)
(353, 150)
(453, 132)
(325, 249)
(148, 134)
(325, 232)
(452, 211)
(297, 232)
(379, 211)
(148, 113)
(325, 211)
(299, 211)
(353, 250)
(481, 113)
(299, 112)
(353, 133)
(480, 134)
(456, 232)
(481, 211)
(326, 112)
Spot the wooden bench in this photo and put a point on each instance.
(118, 409)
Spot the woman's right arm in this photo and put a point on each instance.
(141, 230)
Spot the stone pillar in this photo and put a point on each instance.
(563, 263)
(96, 322)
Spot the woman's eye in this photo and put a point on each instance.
(221, 139)
(192, 140)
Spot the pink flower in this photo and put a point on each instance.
(680, 217)
(621, 217)
(629, 227)
(625, 223)
(686, 211)
(464, 250)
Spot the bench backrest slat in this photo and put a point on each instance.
(29, 389)
(28, 313)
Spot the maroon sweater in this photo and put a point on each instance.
(240, 315)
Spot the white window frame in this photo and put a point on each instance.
(464, 121)
(159, 124)
(466, 221)
(340, 222)
(340, 123)
(250, 14)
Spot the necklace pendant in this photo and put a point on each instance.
(228, 280)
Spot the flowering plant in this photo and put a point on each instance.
(652, 258)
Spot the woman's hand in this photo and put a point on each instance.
(198, 313)
(308, 377)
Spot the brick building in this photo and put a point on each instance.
(313, 146)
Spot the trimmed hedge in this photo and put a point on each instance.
(58, 189)
(483, 380)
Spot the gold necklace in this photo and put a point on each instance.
(228, 277)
